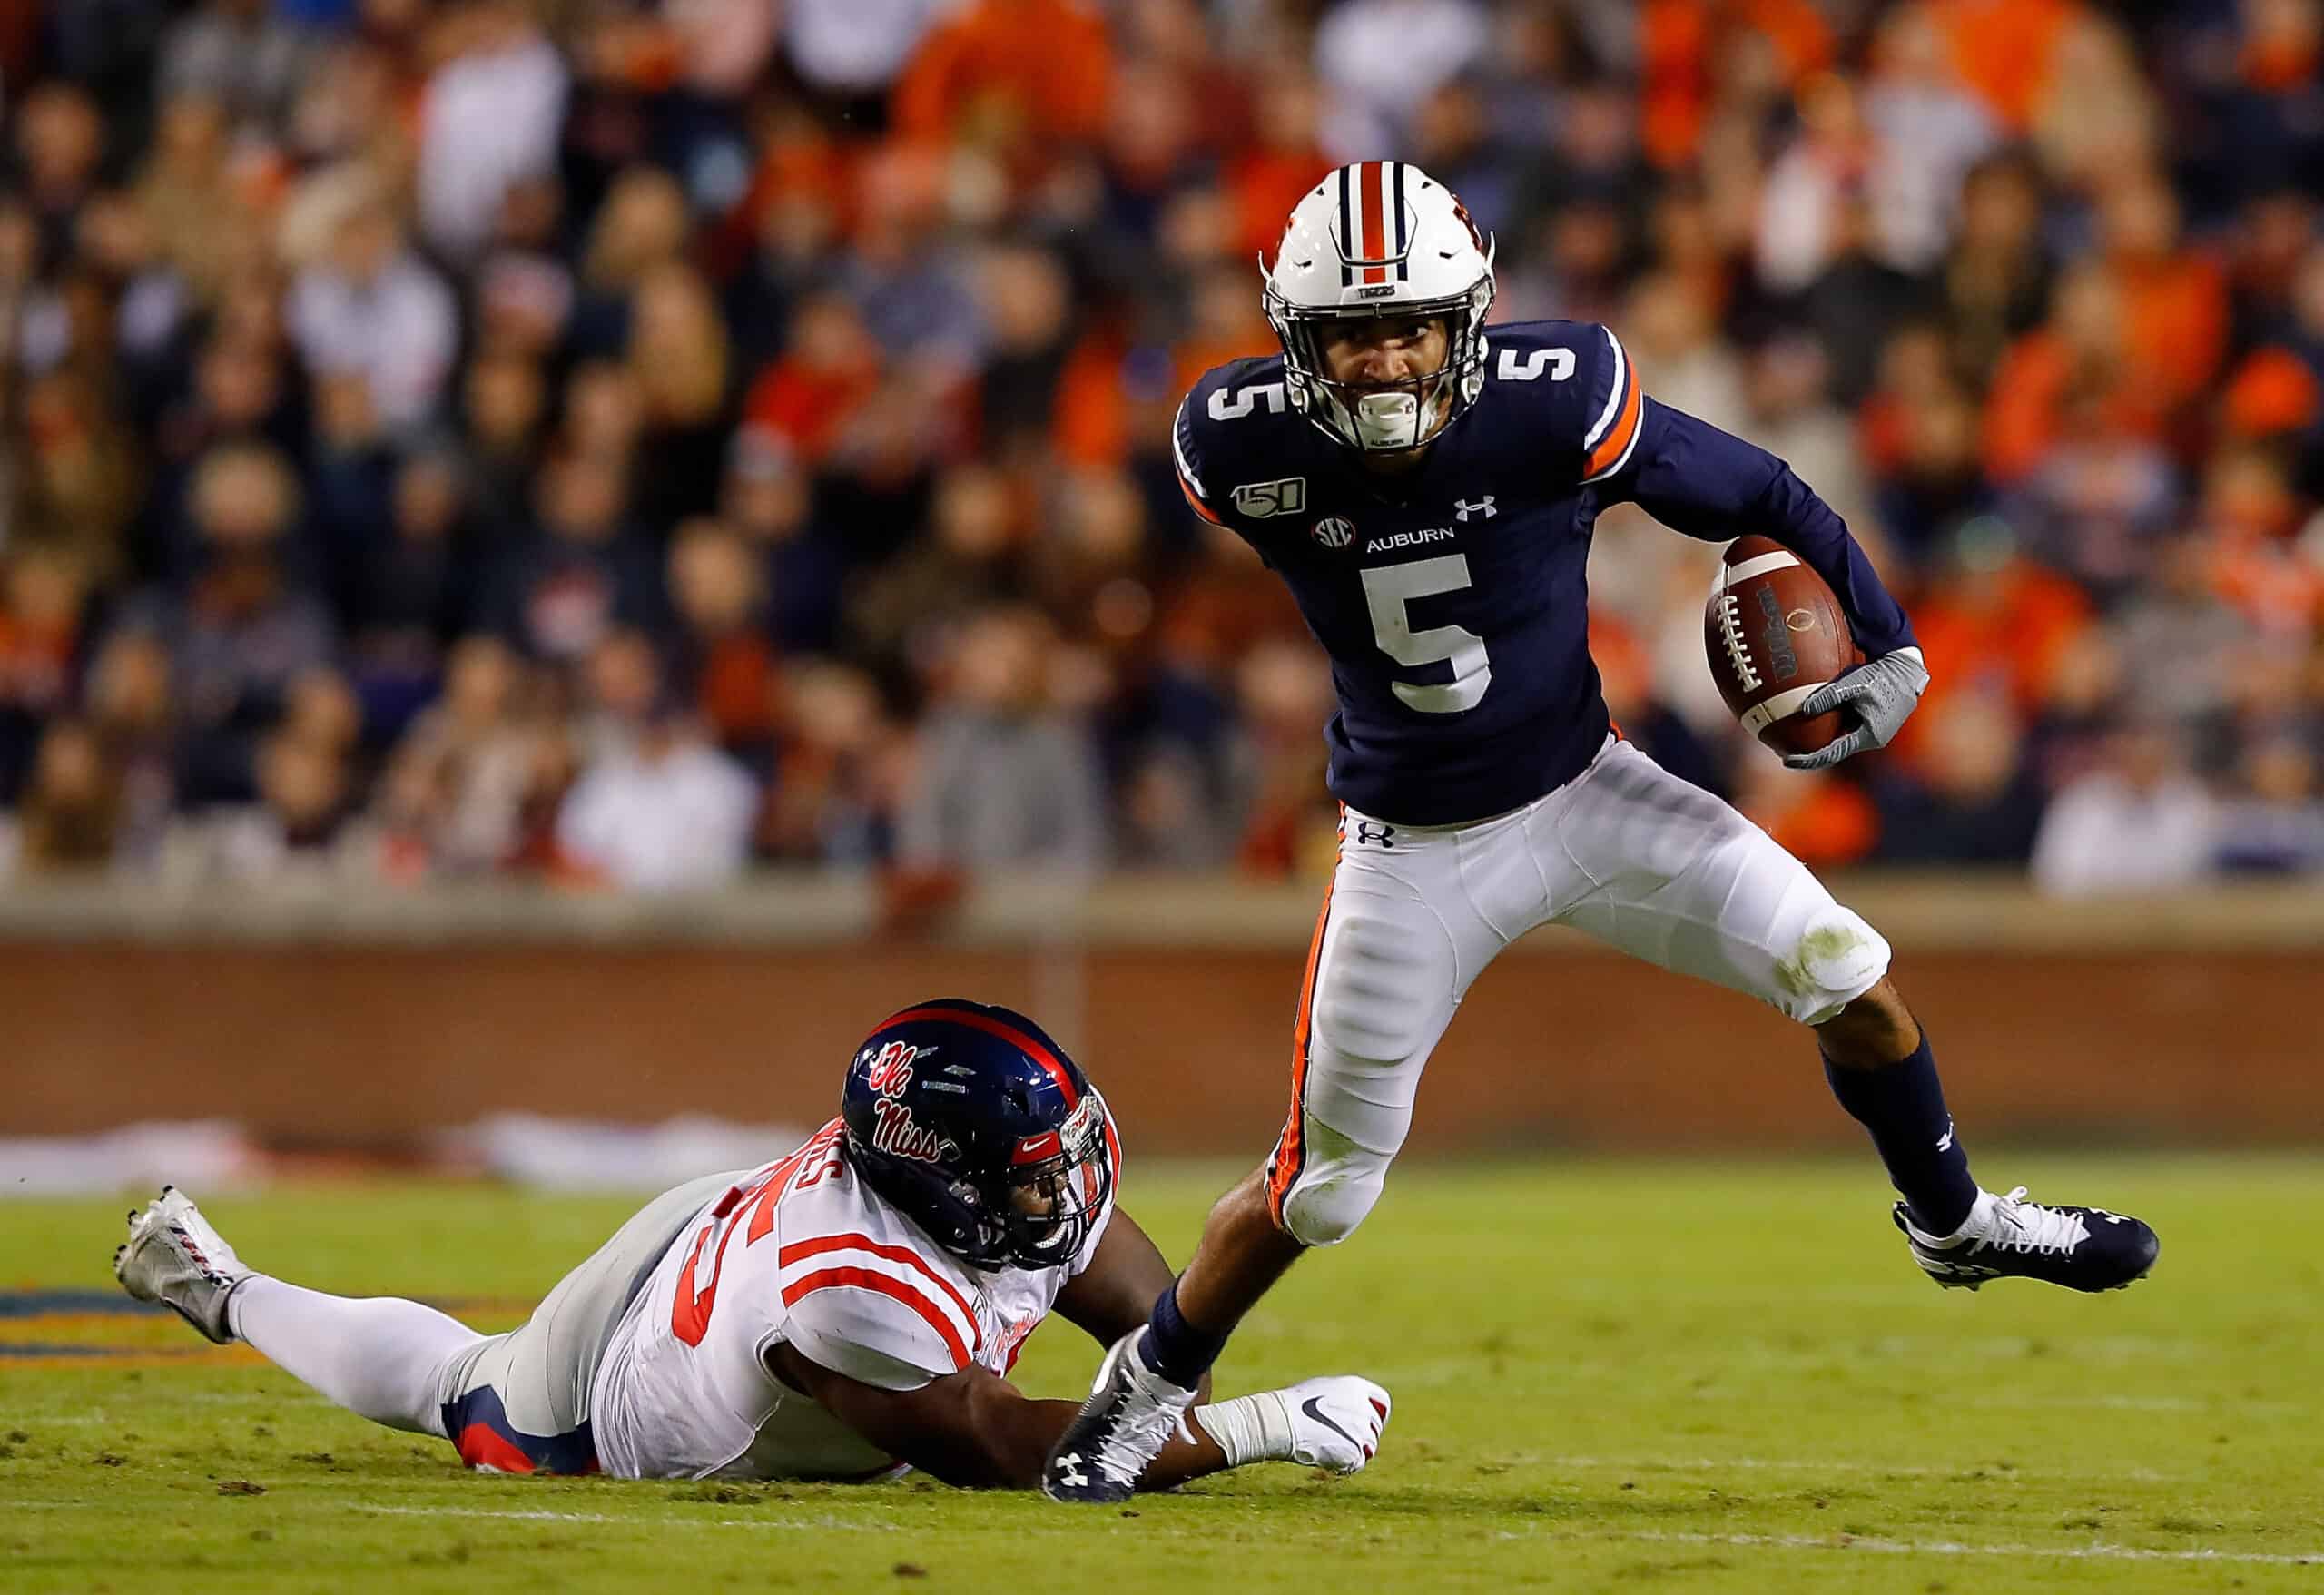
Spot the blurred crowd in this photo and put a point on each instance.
(618, 442)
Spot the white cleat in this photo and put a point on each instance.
(175, 1257)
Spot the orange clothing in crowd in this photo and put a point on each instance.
(1678, 41)
(1040, 67)
(2174, 322)
(809, 406)
(1090, 421)
(1264, 185)
(1980, 633)
(2004, 49)
(2035, 382)
(2272, 392)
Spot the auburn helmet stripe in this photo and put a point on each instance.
(1374, 187)
(1404, 244)
(1346, 239)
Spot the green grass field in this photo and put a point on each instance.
(1609, 1375)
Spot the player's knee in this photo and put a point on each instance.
(1334, 1192)
(1837, 959)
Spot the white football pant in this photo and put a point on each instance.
(1626, 852)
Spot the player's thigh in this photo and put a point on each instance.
(525, 1394)
(1681, 879)
(575, 1320)
(1399, 943)
(1396, 946)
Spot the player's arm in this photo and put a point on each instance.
(973, 1428)
(1708, 483)
(1117, 1292)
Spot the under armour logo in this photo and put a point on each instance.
(1367, 832)
(1483, 506)
(1069, 1474)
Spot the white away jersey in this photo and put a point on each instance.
(801, 1251)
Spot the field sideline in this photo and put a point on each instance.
(1609, 1376)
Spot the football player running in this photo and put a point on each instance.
(1427, 487)
(841, 1314)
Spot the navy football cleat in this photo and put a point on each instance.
(2009, 1238)
(1130, 1417)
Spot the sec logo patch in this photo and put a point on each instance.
(1333, 532)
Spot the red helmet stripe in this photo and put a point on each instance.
(1372, 182)
(993, 1027)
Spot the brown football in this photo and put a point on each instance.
(1775, 634)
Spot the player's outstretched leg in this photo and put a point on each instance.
(1878, 1061)
(1395, 939)
(1681, 879)
(380, 1357)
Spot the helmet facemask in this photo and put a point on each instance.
(1055, 1191)
(1383, 418)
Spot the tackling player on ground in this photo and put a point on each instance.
(844, 1312)
(1427, 490)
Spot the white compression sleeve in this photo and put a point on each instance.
(380, 1357)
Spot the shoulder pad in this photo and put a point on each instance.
(1576, 379)
(877, 1313)
(1228, 419)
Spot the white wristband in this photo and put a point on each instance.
(1250, 1428)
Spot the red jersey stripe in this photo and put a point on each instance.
(865, 1279)
(799, 1251)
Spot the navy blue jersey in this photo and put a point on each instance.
(1453, 599)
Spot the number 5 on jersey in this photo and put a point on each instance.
(1387, 589)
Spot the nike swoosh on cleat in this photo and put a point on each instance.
(1314, 1407)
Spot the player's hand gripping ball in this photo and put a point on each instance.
(1788, 666)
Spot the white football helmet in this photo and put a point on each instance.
(1381, 238)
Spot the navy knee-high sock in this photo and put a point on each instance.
(1179, 1351)
(1903, 1106)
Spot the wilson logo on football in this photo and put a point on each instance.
(1333, 532)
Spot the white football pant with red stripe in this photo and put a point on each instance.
(1625, 851)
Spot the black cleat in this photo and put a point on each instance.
(2009, 1238)
(1130, 1417)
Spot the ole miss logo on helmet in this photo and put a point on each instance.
(897, 1131)
(889, 1070)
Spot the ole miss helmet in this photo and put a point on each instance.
(975, 1125)
(1379, 237)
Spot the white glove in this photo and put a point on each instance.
(1330, 1422)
